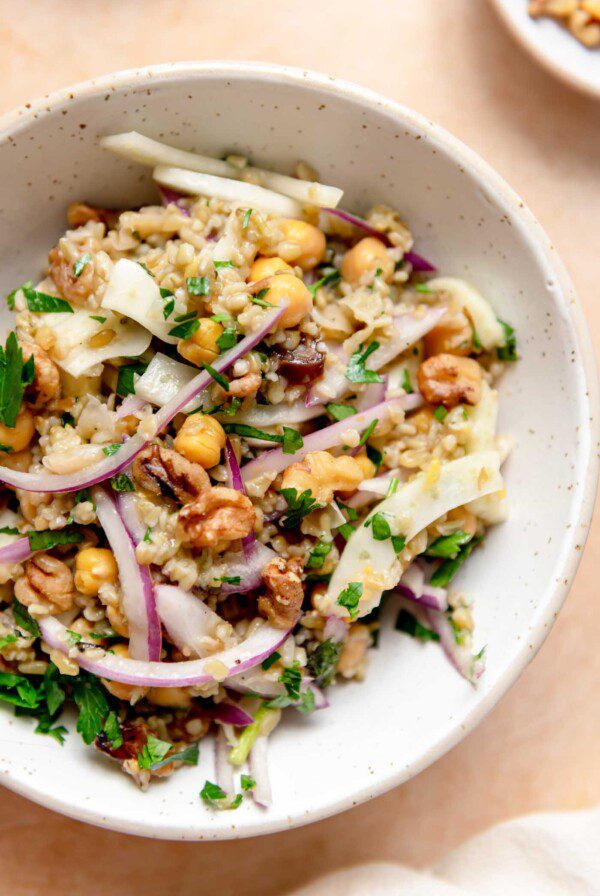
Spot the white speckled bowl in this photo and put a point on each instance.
(552, 46)
(413, 707)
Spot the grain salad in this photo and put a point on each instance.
(580, 17)
(234, 423)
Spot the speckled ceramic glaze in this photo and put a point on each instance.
(413, 706)
(553, 46)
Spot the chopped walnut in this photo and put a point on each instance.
(46, 586)
(282, 602)
(46, 382)
(165, 472)
(216, 518)
(74, 289)
(448, 380)
(79, 213)
(242, 387)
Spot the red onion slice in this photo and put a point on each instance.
(335, 629)
(127, 506)
(360, 223)
(228, 714)
(418, 262)
(173, 197)
(145, 637)
(16, 551)
(54, 482)
(274, 461)
(246, 655)
(470, 667)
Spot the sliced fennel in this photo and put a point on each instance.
(163, 379)
(142, 149)
(133, 292)
(483, 420)
(414, 506)
(235, 191)
(72, 350)
(488, 329)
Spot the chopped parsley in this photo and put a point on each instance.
(448, 569)
(67, 419)
(9, 530)
(81, 264)
(331, 278)
(357, 371)
(189, 755)
(259, 298)
(15, 376)
(476, 342)
(292, 440)
(168, 308)
(45, 541)
(346, 530)
(90, 697)
(350, 597)
(214, 796)
(448, 545)
(233, 407)
(306, 703)
(406, 622)
(6, 449)
(322, 662)
(40, 302)
(507, 352)
(122, 483)
(227, 339)
(247, 781)
(422, 287)
(377, 274)
(109, 450)
(146, 537)
(186, 328)
(198, 286)
(230, 580)
(340, 411)
(375, 456)
(398, 543)
(270, 660)
(299, 506)
(318, 554)
(24, 619)
(380, 527)
(217, 377)
(219, 265)
(112, 730)
(246, 220)
(251, 432)
(99, 318)
(367, 433)
(6, 640)
(126, 378)
(440, 413)
(73, 637)
(291, 679)
(154, 750)
(406, 383)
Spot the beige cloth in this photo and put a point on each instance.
(555, 854)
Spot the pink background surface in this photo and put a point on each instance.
(454, 62)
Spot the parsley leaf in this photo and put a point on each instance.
(251, 432)
(217, 377)
(357, 372)
(90, 697)
(15, 375)
(99, 318)
(259, 299)
(246, 220)
(168, 308)
(40, 302)
(9, 530)
(270, 660)
(298, 506)
(380, 527)
(291, 679)
(350, 597)
(247, 782)
(375, 456)
(448, 569)
(292, 440)
(318, 554)
(406, 383)
(448, 545)
(185, 329)
(226, 340)
(230, 580)
(44, 541)
(322, 662)
(109, 450)
(126, 378)
(507, 352)
(340, 411)
(219, 265)
(406, 622)
(198, 286)
(440, 413)
(331, 278)
(122, 483)
(81, 263)
(112, 730)
(214, 796)
(306, 704)
(54, 693)
(24, 619)
(189, 755)
(6, 640)
(154, 750)
(368, 432)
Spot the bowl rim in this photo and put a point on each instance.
(566, 297)
(543, 58)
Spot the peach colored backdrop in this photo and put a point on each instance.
(454, 62)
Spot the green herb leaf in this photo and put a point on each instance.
(291, 679)
(292, 440)
(165, 293)
(109, 450)
(99, 318)
(380, 527)
(247, 782)
(331, 278)
(246, 220)
(198, 286)
(406, 622)
(259, 299)
(154, 750)
(298, 506)
(306, 704)
(270, 660)
(73, 637)
(217, 377)
(54, 693)
(189, 755)
(6, 640)
(398, 543)
(476, 341)
(45, 541)
(507, 352)
(375, 456)
(15, 376)
(357, 371)
(217, 798)
(340, 411)
(168, 308)
(24, 620)
(251, 432)
(219, 265)
(367, 433)
(318, 554)
(440, 413)
(185, 329)
(351, 512)
(81, 264)
(346, 530)
(147, 538)
(230, 580)
(406, 383)
(44, 726)
(448, 569)
(392, 487)
(145, 268)
(9, 530)
(126, 378)
(122, 483)
(322, 662)
(350, 597)
(422, 287)
(41, 303)
(90, 697)
(112, 730)
(6, 449)
(226, 340)
(448, 545)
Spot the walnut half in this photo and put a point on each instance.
(47, 584)
(165, 472)
(282, 602)
(216, 518)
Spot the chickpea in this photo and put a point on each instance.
(202, 345)
(201, 440)
(304, 243)
(20, 435)
(453, 335)
(17, 460)
(288, 288)
(177, 698)
(367, 466)
(94, 567)
(449, 379)
(266, 267)
(365, 258)
(117, 688)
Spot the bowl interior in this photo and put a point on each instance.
(472, 226)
